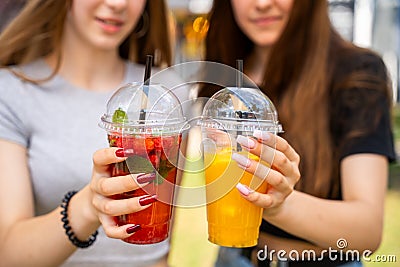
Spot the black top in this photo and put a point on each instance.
(348, 106)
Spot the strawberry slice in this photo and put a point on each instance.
(157, 143)
(149, 144)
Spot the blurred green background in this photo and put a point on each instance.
(189, 238)
(390, 246)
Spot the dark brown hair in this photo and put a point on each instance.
(38, 29)
(302, 77)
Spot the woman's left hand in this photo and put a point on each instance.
(281, 173)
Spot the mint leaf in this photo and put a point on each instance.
(138, 164)
(119, 116)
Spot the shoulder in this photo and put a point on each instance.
(370, 62)
(11, 77)
(10, 84)
(354, 59)
(360, 86)
(359, 76)
(6, 74)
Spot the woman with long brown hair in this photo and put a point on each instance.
(60, 61)
(333, 100)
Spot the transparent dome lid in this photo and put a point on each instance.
(140, 108)
(240, 109)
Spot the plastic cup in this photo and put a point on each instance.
(147, 122)
(232, 220)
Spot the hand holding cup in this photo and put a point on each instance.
(103, 187)
(279, 166)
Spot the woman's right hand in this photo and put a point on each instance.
(279, 167)
(103, 186)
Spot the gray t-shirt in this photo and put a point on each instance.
(58, 124)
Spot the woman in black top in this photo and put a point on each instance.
(333, 100)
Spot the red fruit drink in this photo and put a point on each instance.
(146, 154)
(147, 122)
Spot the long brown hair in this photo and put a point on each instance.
(38, 28)
(299, 78)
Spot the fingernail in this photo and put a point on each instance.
(245, 190)
(261, 135)
(146, 177)
(242, 160)
(124, 152)
(146, 200)
(245, 141)
(120, 153)
(133, 228)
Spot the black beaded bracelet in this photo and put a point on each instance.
(67, 227)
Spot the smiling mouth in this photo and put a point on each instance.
(266, 19)
(110, 22)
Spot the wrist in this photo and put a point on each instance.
(279, 213)
(69, 224)
(81, 218)
(87, 212)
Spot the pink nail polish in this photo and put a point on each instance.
(245, 141)
(261, 135)
(243, 189)
(241, 160)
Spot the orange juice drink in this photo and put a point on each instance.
(232, 220)
(231, 112)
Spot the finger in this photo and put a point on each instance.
(112, 230)
(275, 158)
(278, 143)
(109, 186)
(219, 137)
(104, 157)
(116, 207)
(272, 177)
(265, 152)
(261, 200)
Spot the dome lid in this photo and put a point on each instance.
(140, 108)
(240, 109)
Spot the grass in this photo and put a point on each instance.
(390, 246)
(189, 243)
(190, 246)
(396, 122)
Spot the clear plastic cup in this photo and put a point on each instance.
(232, 220)
(147, 122)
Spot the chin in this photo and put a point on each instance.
(265, 43)
(107, 45)
(265, 40)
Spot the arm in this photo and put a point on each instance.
(26, 240)
(357, 218)
(23, 241)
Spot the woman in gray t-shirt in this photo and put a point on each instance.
(60, 61)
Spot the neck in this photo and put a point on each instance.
(256, 64)
(88, 68)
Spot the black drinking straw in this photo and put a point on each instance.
(239, 84)
(239, 73)
(146, 85)
(147, 72)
